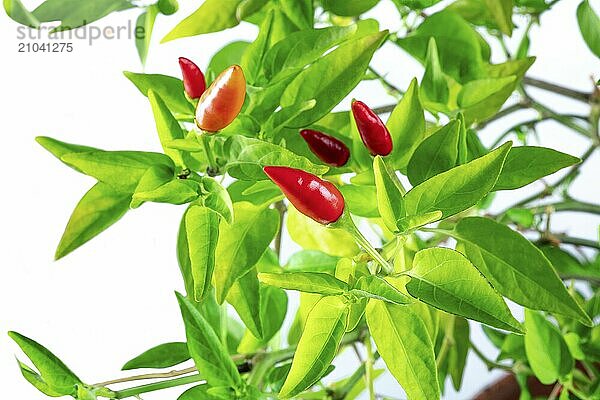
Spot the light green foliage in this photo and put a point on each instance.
(589, 24)
(162, 356)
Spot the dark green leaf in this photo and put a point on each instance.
(300, 12)
(346, 8)
(230, 54)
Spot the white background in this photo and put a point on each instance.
(113, 298)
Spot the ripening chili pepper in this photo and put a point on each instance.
(193, 78)
(221, 103)
(329, 149)
(311, 195)
(373, 131)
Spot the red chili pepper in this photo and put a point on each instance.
(373, 131)
(311, 195)
(222, 101)
(193, 78)
(329, 149)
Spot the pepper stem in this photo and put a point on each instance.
(345, 222)
(212, 163)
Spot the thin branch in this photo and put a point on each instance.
(384, 109)
(551, 87)
(158, 375)
(503, 113)
(567, 205)
(393, 89)
(577, 241)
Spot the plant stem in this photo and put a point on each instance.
(567, 205)
(212, 163)
(160, 375)
(280, 206)
(577, 241)
(503, 113)
(369, 367)
(551, 87)
(152, 387)
(393, 89)
(488, 363)
(345, 222)
(384, 109)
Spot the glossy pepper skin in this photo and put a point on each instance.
(373, 132)
(221, 103)
(193, 78)
(311, 195)
(329, 149)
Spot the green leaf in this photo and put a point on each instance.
(547, 352)
(37, 381)
(74, 13)
(167, 126)
(407, 127)
(346, 8)
(300, 12)
(445, 279)
(212, 16)
(120, 169)
(248, 156)
(252, 59)
(98, 209)
(259, 193)
(17, 11)
(162, 356)
(303, 47)
(434, 85)
(589, 25)
(458, 44)
(145, 24)
(412, 222)
(457, 356)
(436, 154)
(230, 54)
(311, 261)
(245, 296)
(527, 164)
(522, 274)
(307, 302)
(175, 191)
(242, 243)
(374, 287)
(216, 197)
(311, 282)
(202, 231)
(273, 307)
(313, 236)
(329, 79)
(459, 188)
(359, 200)
(482, 98)
(211, 359)
(389, 194)
(60, 149)
(200, 392)
(58, 377)
(404, 344)
(502, 11)
(416, 4)
(323, 332)
(168, 88)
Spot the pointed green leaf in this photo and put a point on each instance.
(145, 24)
(162, 356)
(589, 25)
(531, 282)
(98, 209)
(547, 352)
(37, 381)
(202, 231)
(337, 73)
(167, 126)
(254, 55)
(169, 89)
(212, 16)
(404, 344)
(242, 243)
(459, 188)
(323, 332)
(58, 377)
(374, 287)
(406, 124)
(436, 154)
(527, 164)
(244, 295)
(389, 194)
(311, 282)
(211, 359)
(216, 197)
(434, 85)
(445, 279)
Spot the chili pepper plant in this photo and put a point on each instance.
(402, 253)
